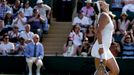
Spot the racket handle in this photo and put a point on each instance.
(101, 60)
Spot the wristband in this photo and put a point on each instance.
(100, 45)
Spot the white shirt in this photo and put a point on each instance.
(7, 47)
(27, 11)
(129, 7)
(83, 21)
(27, 36)
(77, 38)
(12, 34)
(123, 25)
(43, 10)
(20, 25)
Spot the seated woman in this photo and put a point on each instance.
(69, 48)
(85, 48)
(123, 23)
(90, 34)
(8, 19)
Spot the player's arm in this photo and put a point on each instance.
(103, 21)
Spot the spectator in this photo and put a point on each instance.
(123, 23)
(8, 19)
(6, 47)
(16, 7)
(128, 7)
(43, 8)
(28, 10)
(90, 34)
(128, 46)
(116, 3)
(115, 48)
(20, 21)
(34, 53)
(20, 47)
(69, 48)
(125, 2)
(76, 36)
(27, 34)
(88, 10)
(82, 20)
(85, 48)
(36, 23)
(118, 36)
(4, 8)
(14, 34)
(44, 11)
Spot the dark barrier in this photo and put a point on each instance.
(71, 65)
(12, 64)
(82, 66)
(61, 65)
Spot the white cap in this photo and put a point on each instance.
(88, 1)
(39, 1)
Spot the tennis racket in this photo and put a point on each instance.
(101, 70)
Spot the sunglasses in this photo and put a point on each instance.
(123, 15)
(36, 38)
(6, 38)
(15, 28)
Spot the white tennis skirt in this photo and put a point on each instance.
(107, 53)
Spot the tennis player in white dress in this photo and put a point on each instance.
(106, 41)
(104, 38)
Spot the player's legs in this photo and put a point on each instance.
(113, 66)
(97, 63)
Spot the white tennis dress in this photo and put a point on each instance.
(106, 41)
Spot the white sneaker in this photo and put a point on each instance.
(37, 73)
(30, 73)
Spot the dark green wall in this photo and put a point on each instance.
(61, 65)
(82, 65)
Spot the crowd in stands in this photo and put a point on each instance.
(19, 22)
(21, 30)
(83, 33)
(21, 26)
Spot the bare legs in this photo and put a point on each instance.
(111, 64)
